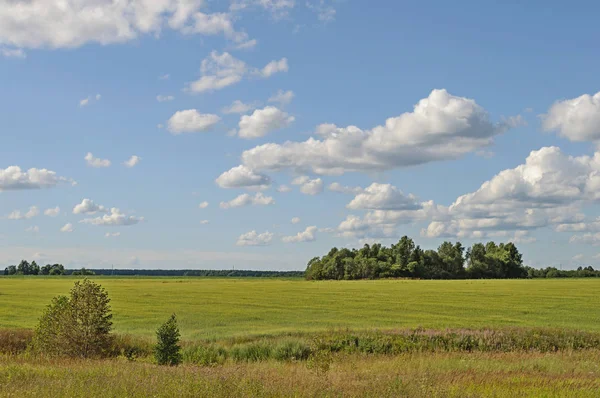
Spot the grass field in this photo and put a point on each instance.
(221, 308)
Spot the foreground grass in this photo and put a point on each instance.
(572, 374)
(220, 308)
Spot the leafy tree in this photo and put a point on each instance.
(10, 270)
(78, 325)
(167, 350)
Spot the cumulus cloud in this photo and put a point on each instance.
(238, 107)
(282, 97)
(274, 67)
(132, 161)
(243, 177)
(13, 178)
(308, 235)
(263, 121)
(295, 220)
(93, 161)
(17, 215)
(87, 206)
(245, 199)
(203, 205)
(337, 187)
(441, 127)
(164, 98)
(67, 228)
(52, 24)
(112, 234)
(52, 212)
(253, 238)
(191, 121)
(577, 119)
(308, 186)
(115, 218)
(219, 71)
(383, 197)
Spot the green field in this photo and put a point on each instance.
(220, 308)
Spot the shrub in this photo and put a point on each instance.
(253, 352)
(167, 350)
(14, 341)
(78, 325)
(210, 355)
(291, 350)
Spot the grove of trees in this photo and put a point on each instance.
(450, 261)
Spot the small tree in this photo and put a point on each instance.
(76, 326)
(167, 350)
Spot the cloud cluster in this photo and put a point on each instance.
(243, 177)
(253, 238)
(114, 218)
(308, 186)
(52, 212)
(245, 199)
(383, 197)
(577, 119)
(87, 206)
(218, 71)
(191, 121)
(308, 235)
(60, 24)
(13, 178)
(93, 161)
(282, 98)
(441, 127)
(238, 107)
(263, 122)
(132, 161)
(17, 215)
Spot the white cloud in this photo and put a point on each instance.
(295, 220)
(56, 24)
(17, 215)
(238, 107)
(35, 229)
(277, 8)
(84, 102)
(282, 97)
(133, 161)
(253, 238)
(283, 189)
(383, 197)
(115, 218)
(262, 122)
(191, 121)
(308, 235)
(245, 199)
(577, 119)
(243, 177)
(337, 187)
(96, 162)
(308, 186)
(274, 67)
(166, 76)
(12, 53)
(13, 178)
(52, 212)
(164, 98)
(112, 234)
(441, 127)
(325, 12)
(204, 222)
(217, 72)
(67, 228)
(87, 206)
(203, 205)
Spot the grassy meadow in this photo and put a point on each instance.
(210, 308)
(276, 337)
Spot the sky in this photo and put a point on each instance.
(257, 134)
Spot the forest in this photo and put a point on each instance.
(450, 261)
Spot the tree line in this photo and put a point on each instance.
(27, 268)
(450, 261)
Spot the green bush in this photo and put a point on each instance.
(291, 350)
(167, 350)
(78, 325)
(210, 355)
(252, 352)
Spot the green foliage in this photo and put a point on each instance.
(84, 272)
(253, 352)
(291, 350)
(167, 350)
(78, 325)
(205, 355)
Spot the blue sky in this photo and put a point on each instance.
(470, 90)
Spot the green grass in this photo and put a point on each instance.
(222, 308)
(575, 374)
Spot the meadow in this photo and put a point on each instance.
(290, 337)
(210, 308)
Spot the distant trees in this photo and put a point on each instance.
(405, 259)
(78, 325)
(25, 268)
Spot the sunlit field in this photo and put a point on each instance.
(221, 308)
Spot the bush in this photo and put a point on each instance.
(210, 355)
(76, 326)
(167, 350)
(14, 341)
(253, 352)
(291, 350)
